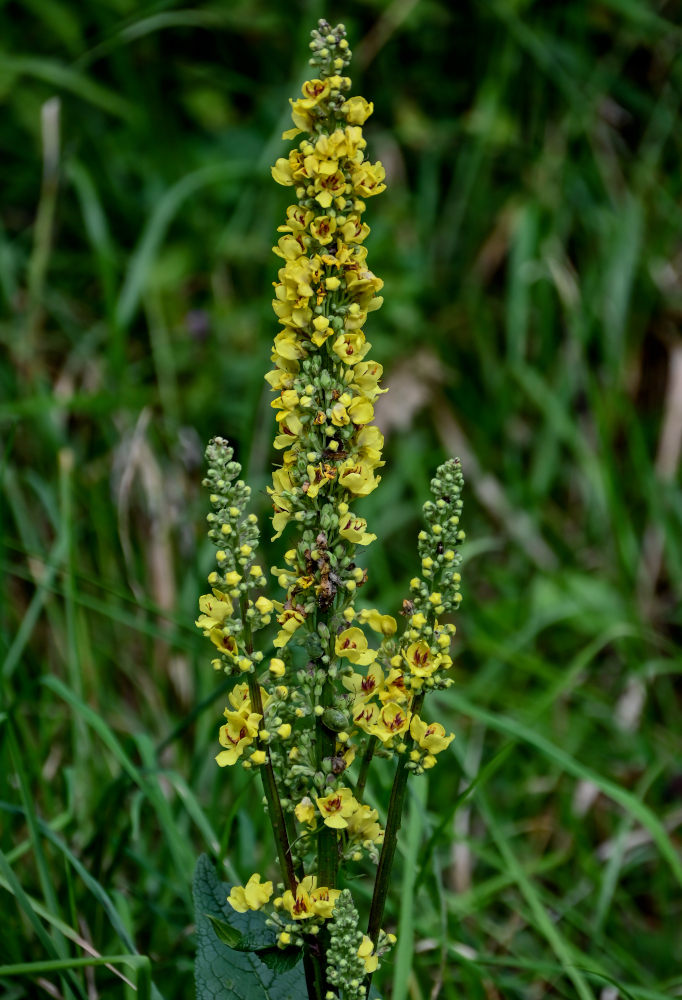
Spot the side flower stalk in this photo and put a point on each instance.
(341, 686)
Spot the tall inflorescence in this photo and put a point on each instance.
(314, 716)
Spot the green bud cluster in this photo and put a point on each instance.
(234, 532)
(345, 968)
(331, 53)
(438, 543)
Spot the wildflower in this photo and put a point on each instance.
(251, 896)
(394, 688)
(277, 667)
(365, 715)
(392, 720)
(366, 953)
(364, 686)
(354, 529)
(430, 737)
(420, 660)
(342, 696)
(236, 735)
(363, 825)
(352, 644)
(309, 900)
(290, 620)
(384, 624)
(225, 642)
(337, 807)
(305, 811)
(215, 608)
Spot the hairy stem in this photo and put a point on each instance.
(393, 821)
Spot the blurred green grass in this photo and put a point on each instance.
(529, 242)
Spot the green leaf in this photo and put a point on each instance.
(281, 959)
(228, 935)
(255, 969)
(277, 959)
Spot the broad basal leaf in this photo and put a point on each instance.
(250, 966)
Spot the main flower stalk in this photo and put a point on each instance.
(327, 694)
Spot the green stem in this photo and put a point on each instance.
(312, 964)
(275, 811)
(327, 838)
(312, 967)
(279, 827)
(325, 745)
(364, 768)
(393, 821)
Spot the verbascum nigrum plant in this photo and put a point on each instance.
(334, 686)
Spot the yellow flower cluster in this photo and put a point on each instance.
(228, 609)
(242, 727)
(326, 385)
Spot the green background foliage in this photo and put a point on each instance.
(529, 241)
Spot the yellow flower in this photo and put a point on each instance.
(340, 415)
(352, 644)
(290, 427)
(316, 90)
(365, 715)
(351, 347)
(367, 178)
(370, 442)
(215, 608)
(309, 900)
(299, 906)
(290, 247)
(420, 659)
(290, 620)
(323, 900)
(363, 825)
(251, 896)
(318, 476)
(328, 187)
(225, 643)
(384, 624)
(323, 228)
(430, 737)
(361, 410)
(298, 219)
(365, 686)
(366, 376)
(394, 687)
(366, 953)
(354, 529)
(282, 172)
(237, 733)
(354, 230)
(393, 720)
(358, 478)
(336, 807)
(305, 811)
(277, 667)
(239, 698)
(258, 757)
(357, 110)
